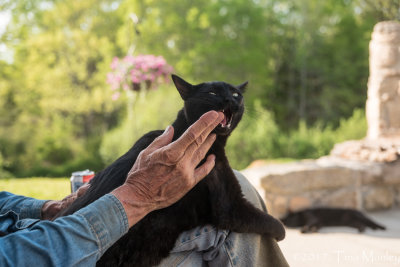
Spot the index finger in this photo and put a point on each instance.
(202, 127)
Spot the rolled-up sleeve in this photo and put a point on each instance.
(75, 240)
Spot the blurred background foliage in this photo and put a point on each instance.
(306, 61)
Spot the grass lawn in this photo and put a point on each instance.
(37, 187)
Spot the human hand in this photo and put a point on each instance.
(52, 207)
(164, 172)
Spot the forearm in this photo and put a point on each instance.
(79, 239)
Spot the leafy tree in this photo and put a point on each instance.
(381, 9)
(322, 63)
(61, 105)
(206, 40)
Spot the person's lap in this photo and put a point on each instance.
(208, 246)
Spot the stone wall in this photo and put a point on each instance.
(328, 181)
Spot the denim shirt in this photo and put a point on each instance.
(76, 240)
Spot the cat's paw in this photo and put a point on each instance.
(280, 235)
(278, 232)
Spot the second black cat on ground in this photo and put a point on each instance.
(311, 220)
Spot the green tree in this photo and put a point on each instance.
(206, 40)
(61, 105)
(381, 9)
(321, 64)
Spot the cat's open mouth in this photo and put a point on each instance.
(226, 122)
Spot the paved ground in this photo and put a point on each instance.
(342, 246)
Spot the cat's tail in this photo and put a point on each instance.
(370, 223)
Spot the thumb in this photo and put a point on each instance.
(82, 190)
(163, 139)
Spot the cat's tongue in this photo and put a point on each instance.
(224, 121)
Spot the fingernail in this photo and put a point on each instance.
(212, 157)
(167, 129)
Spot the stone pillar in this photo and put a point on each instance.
(383, 104)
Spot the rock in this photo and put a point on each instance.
(309, 175)
(298, 203)
(380, 150)
(397, 195)
(308, 179)
(375, 198)
(391, 173)
(328, 181)
(279, 207)
(342, 198)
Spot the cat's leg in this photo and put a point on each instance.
(246, 218)
(315, 228)
(361, 228)
(305, 229)
(232, 211)
(312, 224)
(310, 228)
(359, 225)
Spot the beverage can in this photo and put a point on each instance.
(80, 178)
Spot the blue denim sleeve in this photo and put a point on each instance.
(75, 240)
(25, 207)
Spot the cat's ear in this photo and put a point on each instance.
(184, 88)
(242, 87)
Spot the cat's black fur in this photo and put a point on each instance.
(216, 200)
(311, 220)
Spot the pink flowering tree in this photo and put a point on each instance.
(135, 74)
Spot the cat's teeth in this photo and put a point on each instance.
(229, 125)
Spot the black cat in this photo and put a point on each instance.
(311, 220)
(216, 200)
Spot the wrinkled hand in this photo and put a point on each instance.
(52, 207)
(164, 172)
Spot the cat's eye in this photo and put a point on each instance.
(212, 93)
(235, 94)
